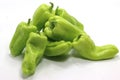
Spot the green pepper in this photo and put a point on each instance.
(86, 48)
(20, 37)
(63, 13)
(35, 47)
(57, 28)
(41, 15)
(57, 48)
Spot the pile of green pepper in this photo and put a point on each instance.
(54, 33)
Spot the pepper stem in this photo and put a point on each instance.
(51, 7)
(29, 20)
(52, 24)
(56, 10)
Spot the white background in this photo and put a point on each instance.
(101, 19)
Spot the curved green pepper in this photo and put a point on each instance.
(35, 47)
(57, 28)
(62, 13)
(57, 48)
(20, 37)
(41, 15)
(87, 49)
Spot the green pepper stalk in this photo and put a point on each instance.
(86, 48)
(57, 48)
(63, 13)
(57, 28)
(35, 47)
(41, 15)
(20, 37)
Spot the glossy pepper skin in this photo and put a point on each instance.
(57, 28)
(35, 47)
(86, 48)
(20, 37)
(57, 48)
(63, 13)
(41, 15)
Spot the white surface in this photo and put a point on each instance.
(101, 19)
